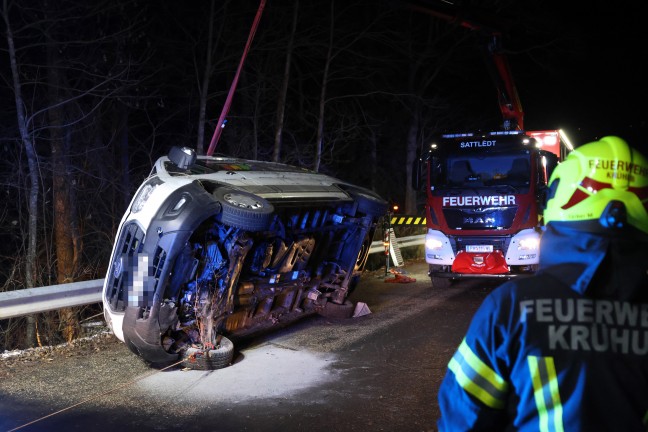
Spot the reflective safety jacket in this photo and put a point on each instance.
(563, 350)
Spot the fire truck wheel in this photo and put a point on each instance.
(216, 358)
(441, 282)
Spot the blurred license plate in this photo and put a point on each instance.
(479, 248)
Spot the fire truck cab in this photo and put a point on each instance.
(484, 198)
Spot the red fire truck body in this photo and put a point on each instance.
(484, 201)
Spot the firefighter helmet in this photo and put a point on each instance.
(600, 186)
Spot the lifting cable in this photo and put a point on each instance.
(221, 120)
(126, 384)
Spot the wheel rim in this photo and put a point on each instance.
(243, 201)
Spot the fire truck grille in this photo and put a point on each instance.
(479, 219)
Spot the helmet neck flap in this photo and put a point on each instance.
(600, 265)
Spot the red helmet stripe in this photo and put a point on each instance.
(579, 195)
(576, 197)
(641, 192)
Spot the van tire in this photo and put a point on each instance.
(243, 210)
(216, 358)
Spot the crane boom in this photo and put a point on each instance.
(494, 56)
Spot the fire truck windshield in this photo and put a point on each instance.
(492, 170)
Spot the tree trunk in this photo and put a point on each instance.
(373, 157)
(124, 156)
(281, 99)
(410, 155)
(322, 102)
(64, 209)
(255, 120)
(204, 87)
(32, 162)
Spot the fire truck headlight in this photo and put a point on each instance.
(433, 244)
(529, 244)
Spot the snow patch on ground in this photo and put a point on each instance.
(49, 348)
(265, 371)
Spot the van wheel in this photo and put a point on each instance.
(243, 210)
(216, 358)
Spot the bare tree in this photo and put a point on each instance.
(32, 160)
(66, 233)
(208, 70)
(60, 111)
(281, 97)
(322, 100)
(427, 61)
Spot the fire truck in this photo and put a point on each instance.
(485, 190)
(484, 198)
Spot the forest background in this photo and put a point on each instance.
(94, 91)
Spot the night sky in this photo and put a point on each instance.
(592, 82)
(577, 65)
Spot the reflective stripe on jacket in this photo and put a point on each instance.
(547, 353)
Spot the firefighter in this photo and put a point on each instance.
(567, 348)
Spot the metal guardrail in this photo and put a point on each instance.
(34, 300)
(414, 240)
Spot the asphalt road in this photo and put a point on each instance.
(377, 372)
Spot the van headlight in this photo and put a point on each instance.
(144, 194)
